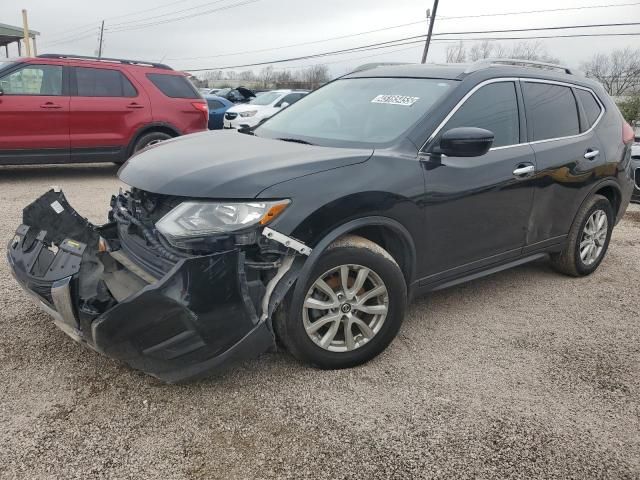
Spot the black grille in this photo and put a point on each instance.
(637, 178)
(230, 115)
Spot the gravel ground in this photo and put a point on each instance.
(522, 374)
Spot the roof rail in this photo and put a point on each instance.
(369, 66)
(490, 62)
(140, 63)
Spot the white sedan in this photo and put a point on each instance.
(261, 107)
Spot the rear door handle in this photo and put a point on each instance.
(591, 154)
(524, 171)
(50, 105)
(135, 105)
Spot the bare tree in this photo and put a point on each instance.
(266, 76)
(315, 76)
(247, 76)
(618, 71)
(484, 49)
(456, 53)
(531, 51)
(521, 50)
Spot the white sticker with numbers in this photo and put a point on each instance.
(57, 207)
(396, 100)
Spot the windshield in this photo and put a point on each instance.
(266, 98)
(357, 111)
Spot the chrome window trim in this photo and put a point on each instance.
(570, 85)
(518, 79)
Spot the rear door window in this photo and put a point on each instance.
(493, 107)
(174, 86)
(552, 111)
(33, 80)
(102, 82)
(590, 105)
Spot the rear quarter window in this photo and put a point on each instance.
(590, 105)
(174, 86)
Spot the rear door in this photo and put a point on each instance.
(34, 115)
(106, 109)
(479, 207)
(569, 154)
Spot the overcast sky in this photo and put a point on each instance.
(72, 26)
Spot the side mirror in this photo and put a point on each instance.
(284, 104)
(465, 142)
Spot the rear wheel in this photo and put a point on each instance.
(351, 308)
(588, 239)
(150, 139)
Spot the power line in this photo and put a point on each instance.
(90, 33)
(540, 11)
(157, 7)
(370, 31)
(171, 20)
(81, 35)
(412, 40)
(232, 54)
(146, 19)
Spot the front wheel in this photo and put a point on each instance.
(588, 239)
(351, 308)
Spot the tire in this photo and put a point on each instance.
(149, 139)
(370, 332)
(570, 261)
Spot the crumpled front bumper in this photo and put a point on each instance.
(200, 316)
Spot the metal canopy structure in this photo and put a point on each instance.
(10, 34)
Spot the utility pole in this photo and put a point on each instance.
(25, 28)
(432, 18)
(101, 36)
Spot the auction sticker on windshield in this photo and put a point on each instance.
(395, 100)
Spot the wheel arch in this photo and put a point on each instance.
(163, 127)
(609, 189)
(384, 231)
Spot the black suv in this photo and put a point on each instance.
(318, 226)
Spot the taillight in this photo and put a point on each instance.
(202, 107)
(627, 133)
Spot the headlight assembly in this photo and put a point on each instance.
(248, 114)
(196, 220)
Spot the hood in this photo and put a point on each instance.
(228, 164)
(247, 107)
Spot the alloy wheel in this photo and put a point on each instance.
(345, 308)
(594, 237)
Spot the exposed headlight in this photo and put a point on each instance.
(248, 114)
(195, 220)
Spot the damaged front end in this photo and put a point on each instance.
(125, 291)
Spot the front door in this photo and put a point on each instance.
(478, 208)
(34, 115)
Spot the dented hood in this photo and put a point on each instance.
(228, 164)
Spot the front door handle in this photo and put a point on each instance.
(591, 154)
(524, 170)
(135, 105)
(50, 105)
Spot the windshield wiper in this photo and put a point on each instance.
(295, 140)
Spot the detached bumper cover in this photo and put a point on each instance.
(197, 318)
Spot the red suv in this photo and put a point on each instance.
(60, 109)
